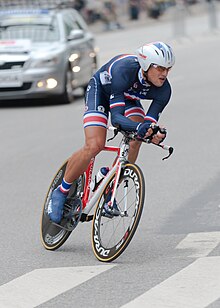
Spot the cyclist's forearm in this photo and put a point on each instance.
(118, 120)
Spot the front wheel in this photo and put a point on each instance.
(111, 236)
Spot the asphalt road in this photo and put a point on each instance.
(174, 257)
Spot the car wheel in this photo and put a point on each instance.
(67, 96)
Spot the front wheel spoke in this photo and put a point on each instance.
(113, 234)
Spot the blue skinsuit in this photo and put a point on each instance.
(118, 86)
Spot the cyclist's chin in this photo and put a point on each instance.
(159, 82)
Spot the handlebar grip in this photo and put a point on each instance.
(162, 130)
(166, 147)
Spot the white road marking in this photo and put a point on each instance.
(200, 244)
(41, 285)
(196, 286)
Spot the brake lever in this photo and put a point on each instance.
(167, 148)
(163, 146)
(115, 130)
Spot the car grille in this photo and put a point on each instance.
(10, 65)
(25, 86)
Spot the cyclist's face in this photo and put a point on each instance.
(157, 75)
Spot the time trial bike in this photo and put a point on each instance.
(123, 185)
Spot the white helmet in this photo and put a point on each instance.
(155, 53)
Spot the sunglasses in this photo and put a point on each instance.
(161, 68)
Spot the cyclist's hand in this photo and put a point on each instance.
(158, 134)
(152, 132)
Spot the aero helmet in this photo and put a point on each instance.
(155, 53)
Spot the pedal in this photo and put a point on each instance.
(72, 208)
(71, 215)
(107, 215)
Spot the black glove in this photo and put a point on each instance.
(157, 129)
(142, 128)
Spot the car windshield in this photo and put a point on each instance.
(37, 26)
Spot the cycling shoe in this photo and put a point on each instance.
(109, 211)
(56, 205)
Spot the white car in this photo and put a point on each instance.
(44, 53)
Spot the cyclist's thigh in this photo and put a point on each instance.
(96, 106)
(95, 137)
(134, 110)
(96, 115)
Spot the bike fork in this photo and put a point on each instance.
(117, 176)
(123, 212)
(125, 197)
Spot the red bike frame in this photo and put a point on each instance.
(89, 171)
(88, 199)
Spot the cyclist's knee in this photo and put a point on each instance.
(135, 145)
(94, 147)
(94, 140)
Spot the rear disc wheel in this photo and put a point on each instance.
(54, 235)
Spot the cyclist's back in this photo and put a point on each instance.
(122, 75)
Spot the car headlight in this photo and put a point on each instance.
(46, 62)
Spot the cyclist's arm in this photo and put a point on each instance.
(122, 79)
(154, 111)
(158, 104)
(117, 108)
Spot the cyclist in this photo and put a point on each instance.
(117, 88)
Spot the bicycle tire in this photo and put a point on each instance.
(111, 236)
(52, 235)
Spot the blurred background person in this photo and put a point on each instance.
(93, 11)
(134, 9)
(79, 5)
(109, 16)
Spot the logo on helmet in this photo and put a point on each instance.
(142, 56)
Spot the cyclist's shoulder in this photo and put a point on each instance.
(125, 57)
(162, 93)
(166, 88)
(127, 62)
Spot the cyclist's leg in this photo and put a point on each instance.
(135, 112)
(94, 142)
(95, 123)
